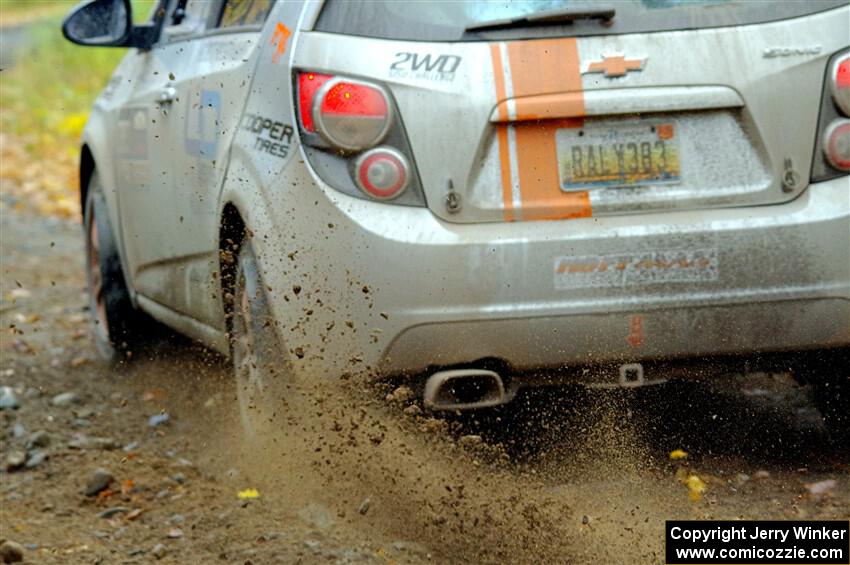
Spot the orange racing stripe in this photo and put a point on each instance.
(542, 197)
(544, 107)
(502, 134)
(547, 66)
(539, 68)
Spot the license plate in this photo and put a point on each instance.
(605, 156)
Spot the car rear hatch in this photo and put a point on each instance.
(667, 105)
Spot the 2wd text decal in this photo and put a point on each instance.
(424, 66)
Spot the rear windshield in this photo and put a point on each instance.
(448, 20)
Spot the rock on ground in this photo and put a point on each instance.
(11, 552)
(15, 460)
(98, 482)
(65, 399)
(8, 400)
(159, 551)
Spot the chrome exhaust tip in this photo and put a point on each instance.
(464, 389)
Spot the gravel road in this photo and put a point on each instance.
(146, 462)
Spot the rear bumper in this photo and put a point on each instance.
(678, 331)
(415, 291)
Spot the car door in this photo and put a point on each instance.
(142, 146)
(210, 51)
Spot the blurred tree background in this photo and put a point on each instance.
(47, 87)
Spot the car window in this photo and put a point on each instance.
(187, 18)
(195, 9)
(448, 20)
(244, 12)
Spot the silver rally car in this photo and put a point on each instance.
(478, 195)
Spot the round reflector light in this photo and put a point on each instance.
(351, 115)
(382, 173)
(836, 144)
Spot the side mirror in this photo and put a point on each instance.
(108, 23)
(101, 22)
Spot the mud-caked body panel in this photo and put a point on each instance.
(488, 115)
(546, 257)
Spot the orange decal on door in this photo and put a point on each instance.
(279, 39)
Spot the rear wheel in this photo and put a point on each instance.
(263, 376)
(115, 323)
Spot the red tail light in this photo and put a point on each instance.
(383, 173)
(832, 151)
(836, 144)
(349, 114)
(352, 99)
(354, 140)
(840, 84)
(308, 84)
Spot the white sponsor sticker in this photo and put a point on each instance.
(627, 269)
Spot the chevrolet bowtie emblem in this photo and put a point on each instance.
(615, 66)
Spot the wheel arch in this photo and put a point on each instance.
(232, 233)
(92, 158)
(87, 166)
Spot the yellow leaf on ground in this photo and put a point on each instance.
(248, 493)
(678, 454)
(696, 487)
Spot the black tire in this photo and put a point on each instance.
(264, 378)
(115, 323)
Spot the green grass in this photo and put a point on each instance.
(53, 83)
(16, 11)
(51, 87)
(45, 99)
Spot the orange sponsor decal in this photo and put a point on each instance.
(537, 80)
(279, 39)
(635, 337)
(567, 267)
(664, 131)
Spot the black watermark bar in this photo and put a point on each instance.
(757, 542)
